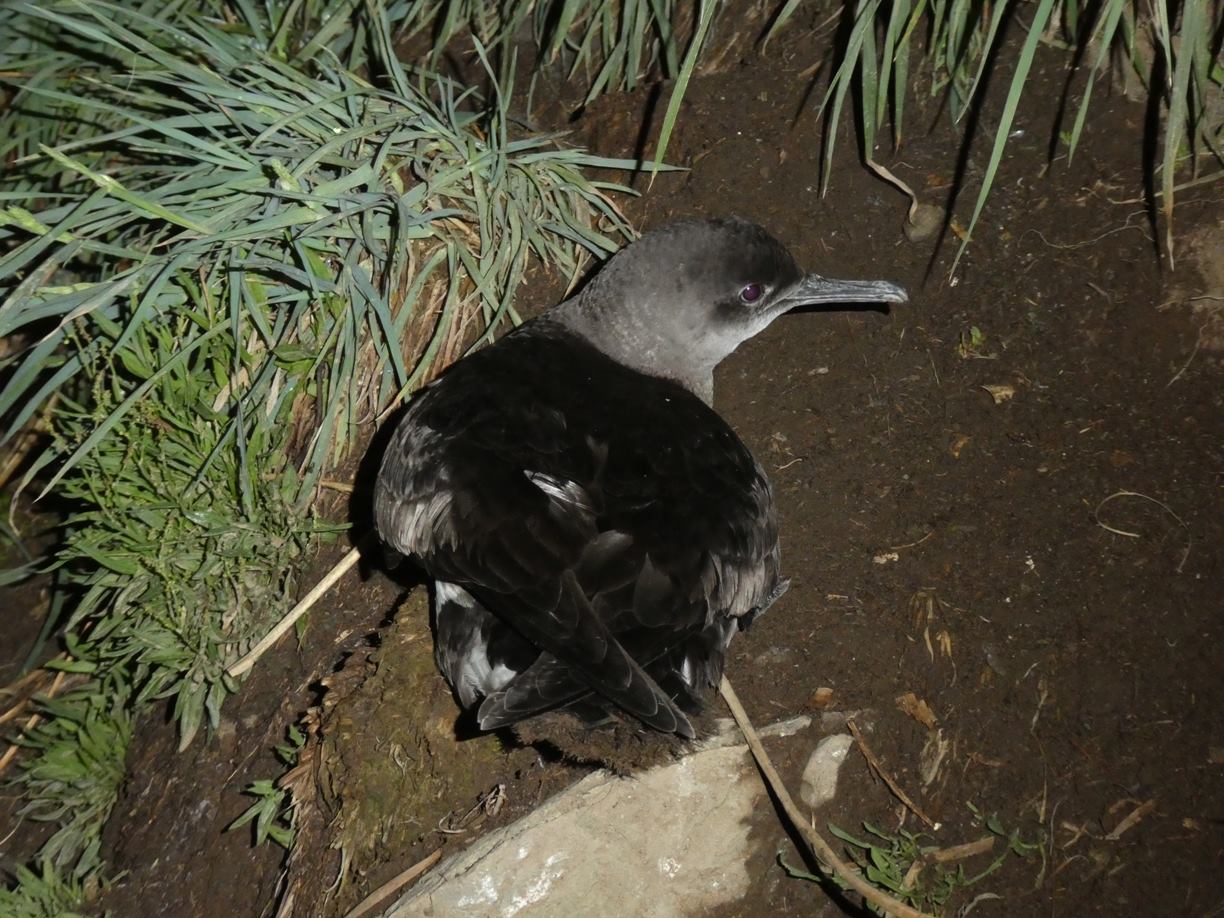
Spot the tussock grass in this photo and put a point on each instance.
(223, 250)
(607, 44)
(1173, 49)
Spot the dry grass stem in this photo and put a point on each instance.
(28, 439)
(1193, 183)
(32, 722)
(370, 902)
(14, 711)
(489, 805)
(819, 847)
(1198, 343)
(912, 544)
(1096, 515)
(884, 776)
(11, 753)
(888, 176)
(339, 570)
(18, 686)
(340, 486)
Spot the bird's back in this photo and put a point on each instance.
(555, 485)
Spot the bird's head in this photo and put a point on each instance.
(681, 298)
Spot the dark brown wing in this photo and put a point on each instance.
(611, 519)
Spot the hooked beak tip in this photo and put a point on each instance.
(814, 289)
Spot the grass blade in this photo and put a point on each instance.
(1023, 64)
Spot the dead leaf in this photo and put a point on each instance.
(944, 639)
(1000, 393)
(958, 443)
(931, 759)
(918, 709)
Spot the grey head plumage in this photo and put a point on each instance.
(681, 299)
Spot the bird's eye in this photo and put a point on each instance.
(751, 293)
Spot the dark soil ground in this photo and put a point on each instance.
(1039, 563)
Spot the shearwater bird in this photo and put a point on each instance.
(596, 532)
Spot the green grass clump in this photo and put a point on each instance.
(901, 864)
(179, 545)
(228, 244)
(307, 214)
(273, 815)
(74, 774)
(242, 263)
(42, 893)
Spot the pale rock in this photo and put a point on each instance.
(672, 841)
(819, 784)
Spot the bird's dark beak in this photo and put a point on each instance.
(814, 289)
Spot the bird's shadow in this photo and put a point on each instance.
(403, 571)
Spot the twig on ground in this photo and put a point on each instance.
(874, 763)
(819, 847)
(396, 883)
(946, 856)
(1129, 822)
(960, 852)
(341, 568)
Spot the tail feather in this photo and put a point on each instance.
(595, 659)
(546, 684)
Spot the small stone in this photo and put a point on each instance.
(819, 784)
(821, 698)
(923, 222)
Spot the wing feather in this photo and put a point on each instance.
(610, 519)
